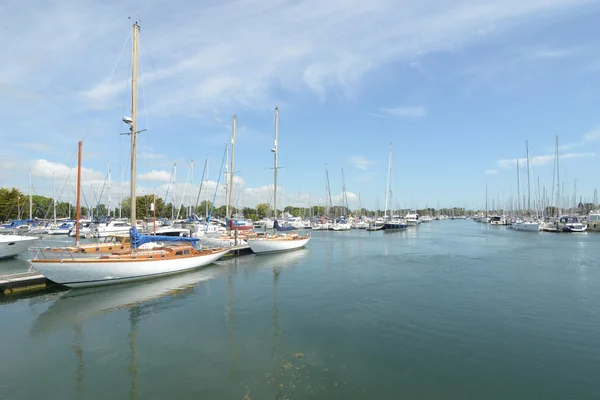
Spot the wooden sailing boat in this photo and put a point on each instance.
(285, 241)
(136, 263)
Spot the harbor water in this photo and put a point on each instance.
(451, 309)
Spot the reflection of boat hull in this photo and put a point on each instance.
(85, 273)
(11, 245)
(74, 307)
(273, 245)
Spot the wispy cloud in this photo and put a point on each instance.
(34, 146)
(154, 175)
(540, 160)
(409, 112)
(361, 162)
(491, 171)
(589, 137)
(325, 48)
(550, 52)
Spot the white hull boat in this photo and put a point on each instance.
(12, 245)
(75, 272)
(273, 244)
(527, 226)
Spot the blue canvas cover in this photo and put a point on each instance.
(138, 239)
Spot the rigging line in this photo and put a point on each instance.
(143, 89)
(216, 188)
(153, 66)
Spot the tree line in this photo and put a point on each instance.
(14, 204)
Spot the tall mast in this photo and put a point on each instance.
(78, 201)
(134, 70)
(518, 189)
(528, 179)
(54, 195)
(121, 199)
(328, 206)
(274, 150)
(388, 190)
(557, 179)
(230, 205)
(30, 198)
(109, 199)
(344, 196)
(486, 201)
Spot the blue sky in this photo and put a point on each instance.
(458, 87)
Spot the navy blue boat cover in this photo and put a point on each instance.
(138, 239)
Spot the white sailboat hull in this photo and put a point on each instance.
(220, 241)
(11, 245)
(61, 231)
(527, 226)
(266, 245)
(97, 272)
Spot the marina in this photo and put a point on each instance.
(295, 200)
(439, 311)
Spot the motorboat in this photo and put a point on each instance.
(13, 245)
(412, 219)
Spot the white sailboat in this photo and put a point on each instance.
(128, 265)
(522, 224)
(285, 241)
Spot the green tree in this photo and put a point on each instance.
(263, 209)
(204, 207)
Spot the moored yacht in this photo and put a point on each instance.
(498, 220)
(593, 223)
(13, 245)
(571, 223)
(412, 218)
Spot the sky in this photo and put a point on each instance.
(457, 87)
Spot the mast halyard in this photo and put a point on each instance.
(78, 201)
(230, 201)
(274, 150)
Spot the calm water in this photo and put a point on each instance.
(453, 309)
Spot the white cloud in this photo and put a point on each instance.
(154, 175)
(324, 47)
(592, 136)
(361, 162)
(587, 138)
(548, 52)
(34, 146)
(403, 112)
(540, 160)
(491, 171)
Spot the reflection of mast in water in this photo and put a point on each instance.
(134, 317)
(277, 334)
(79, 353)
(231, 321)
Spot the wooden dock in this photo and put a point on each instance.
(24, 281)
(239, 250)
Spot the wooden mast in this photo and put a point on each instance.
(78, 205)
(136, 29)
